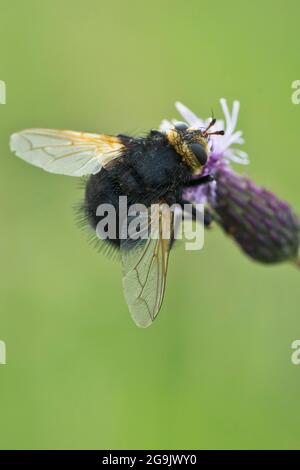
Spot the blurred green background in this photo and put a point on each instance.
(214, 371)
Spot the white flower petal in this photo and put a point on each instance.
(165, 125)
(235, 114)
(188, 115)
(221, 146)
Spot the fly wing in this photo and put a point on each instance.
(66, 152)
(145, 267)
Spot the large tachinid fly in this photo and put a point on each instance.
(155, 169)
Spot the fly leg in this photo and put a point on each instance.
(200, 180)
(208, 217)
(196, 214)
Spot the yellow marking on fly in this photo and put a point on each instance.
(182, 147)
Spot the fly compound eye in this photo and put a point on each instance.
(181, 126)
(199, 152)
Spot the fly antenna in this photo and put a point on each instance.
(215, 133)
(211, 124)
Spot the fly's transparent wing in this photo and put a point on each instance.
(145, 266)
(65, 152)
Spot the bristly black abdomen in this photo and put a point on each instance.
(147, 172)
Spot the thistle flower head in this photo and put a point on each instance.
(222, 147)
(264, 226)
